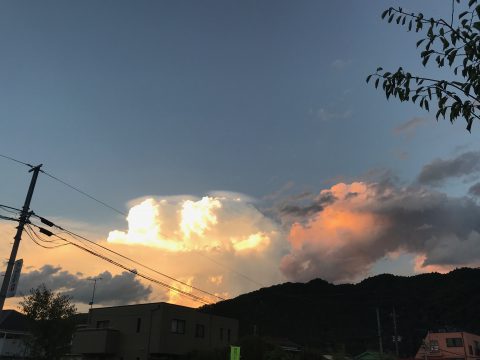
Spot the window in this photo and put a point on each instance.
(200, 331)
(434, 345)
(470, 349)
(228, 334)
(221, 334)
(178, 326)
(103, 324)
(454, 342)
(139, 324)
(477, 348)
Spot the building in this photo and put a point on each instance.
(151, 331)
(457, 345)
(13, 335)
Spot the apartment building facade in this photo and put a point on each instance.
(458, 345)
(151, 331)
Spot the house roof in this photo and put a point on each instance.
(368, 355)
(13, 320)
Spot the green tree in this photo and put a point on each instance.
(51, 322)
(452, 44)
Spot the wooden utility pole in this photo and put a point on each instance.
(18, 236)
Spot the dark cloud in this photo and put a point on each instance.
(310, 206)
(440, 170)
(475, 189)
(118, 289)
(343, 244)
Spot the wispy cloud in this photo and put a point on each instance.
(328, 115)
(340, 64)
(408, 127)
(440, 170)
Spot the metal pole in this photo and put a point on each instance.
(395, 330)
(379, 333)
(94, 286)
(18, 236)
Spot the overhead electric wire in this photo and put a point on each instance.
(116, 263)
(133, 260)
(35, 235)
(231, 270)
(10, 208)
(17, 161)
(84, 193)
(7, 218)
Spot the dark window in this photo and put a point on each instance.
(13, 336)
(200, 331)
(477, 348)
(221, 334)
(470, 349)
(139, 324)
(454, 342)
(178, 326)
(103, 324)
(434, 345)
(228, 334)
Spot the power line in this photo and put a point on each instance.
(84, 193)
(71, 233)
(116, 263)
(232, 270)
(17, 161)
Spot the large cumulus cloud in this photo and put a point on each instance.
(368, 221)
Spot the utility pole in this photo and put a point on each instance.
(379, 334)
(94, 286)
(18, 236)
(394, 315)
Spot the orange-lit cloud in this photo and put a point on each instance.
(222, 243)
(371, 221)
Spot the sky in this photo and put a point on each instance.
(240, 139)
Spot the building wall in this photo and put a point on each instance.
(158, 328)
(13, 344)
(450, 345)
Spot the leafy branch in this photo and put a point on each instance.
(457, 46)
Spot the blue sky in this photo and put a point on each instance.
(128, 99)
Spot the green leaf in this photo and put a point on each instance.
(445, 43)
(386, 12)
(471, 2)
(463, 14)
(376, 83)
(368, 78)
(379, 69)
(410, 25)
(419, 42)
(476, 25)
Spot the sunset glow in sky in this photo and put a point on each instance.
(240, 140)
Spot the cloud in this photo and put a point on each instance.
(219, 242)
(439, 170)
(340, 64)
(410, 126)
(342, 242)
(305, 205)
(328, 115)
(475, 189)
(117, 289)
